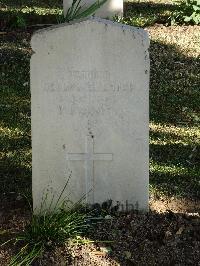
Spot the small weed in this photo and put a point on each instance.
(20, 21)
(50, 227)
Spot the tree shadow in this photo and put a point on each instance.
(174, 86)
(25, 13)
(15, 91)
(15, 133)
(174, 167)
(174, 101)
(176, 154)
(147, 7)
(147, 13)
(30, 3)
(170, 184)
(12, 20)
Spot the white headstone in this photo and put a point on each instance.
(89, 89)
(108, 10)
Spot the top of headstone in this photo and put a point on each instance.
(97, 20)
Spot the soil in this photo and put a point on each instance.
(169, 234)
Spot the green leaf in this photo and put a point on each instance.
(76, 11)
(197, 19)
(196, 7)
(187, 19)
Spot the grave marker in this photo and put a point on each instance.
(89, 93)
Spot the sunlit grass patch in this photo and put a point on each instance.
(170, 134)
(14, 138)
(11, 47)
(39, 10)
(173, 170)
(10, 133)
(174, 164)
(33, 10)
(174, 180)
(137, 20)
(175, 79)
(169, 147)
(20, 158)
(185, 39)
(147, 13)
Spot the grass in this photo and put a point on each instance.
(31, 3)
(51, 226)
(15, 136)
(30, 12)
(144, 13)
(33, 12)
(174, 111)
(174, 101)
(46, 231)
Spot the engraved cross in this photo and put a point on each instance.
(89, 157)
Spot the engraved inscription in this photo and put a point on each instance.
(79, 86)
(90, 87)
(88, 81)
(91, 75)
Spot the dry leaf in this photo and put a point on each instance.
(127, 254)
(180, 230)
(97, 253)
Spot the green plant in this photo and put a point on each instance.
(52, 226)
(137, 21)
(188, 12)
(76, 11)
(18, 21)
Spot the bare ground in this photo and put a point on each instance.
(169, 234)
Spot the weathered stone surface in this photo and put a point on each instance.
(108, 10)
(89, 89)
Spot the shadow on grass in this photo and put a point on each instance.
(174, 101)
(174, 167)
(17, 19)
(147, 7)
(145, 14)
(30, 3)
(174, 86)
(15, 136)
(176, 154)
(36, 12)
(15, 91)
(24, 13)
(178, 185)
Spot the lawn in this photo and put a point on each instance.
(174, 101)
